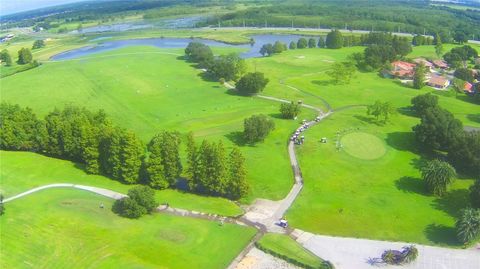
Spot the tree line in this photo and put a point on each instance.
(453, 149)
(82, 136)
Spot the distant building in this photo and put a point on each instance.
(426, 63)
(440, 64)
(400, 69)
(6, 38)
(438, 82)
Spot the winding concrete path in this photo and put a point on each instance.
(104, 192)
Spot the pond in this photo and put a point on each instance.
(252, 49)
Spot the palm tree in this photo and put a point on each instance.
(438, 175)
(468, 225)
(410, 254)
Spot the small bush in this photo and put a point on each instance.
(126, 207)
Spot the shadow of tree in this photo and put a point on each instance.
(237, 138)
(407, 111)
(411, 185)
(474, 117)
(404, 141)
(367, 119)
(418, 163)
(453, 202)
(441, 234)
(324, 82)
(276, 116)
(467, 99)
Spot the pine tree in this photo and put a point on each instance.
(131, 154)
(218, 175)
(237, 185)
(321, 42)
(438, 45)
(334, 40)
(192, 163)
(170, 142)
(154, 165)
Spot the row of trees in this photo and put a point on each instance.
(24, 57)
(91, 139)
(211, 171)
(440, 132)
(459, 56)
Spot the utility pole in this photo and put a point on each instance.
(243, 23)
(265, 23)
(219, 24)
(292, 24)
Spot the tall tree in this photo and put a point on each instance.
(382, 110)
(237, 185)
(5, 57)
(342, 73)
(312, 43)
(290, 110)
(20, 129)
(321, 42)
(438, 45)
(438, 129)
(192, 163)
(252, 83)
(419, 76)
(39, 43)
(228, 67)
(267, 49)
(24, 56)
(438, 175)
(334, 40)
(257, 127)
(464, 152)
(420, 103)
(292, 45)
(155, 164)
(278, 47)
(302, 43)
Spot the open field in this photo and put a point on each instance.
(382, 198)
(62, 228)
(21, 171)
(283, 245)
(154, 91)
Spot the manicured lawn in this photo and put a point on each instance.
(155, 91)
(383, 198)
(21, 171)
(362, 145)
(285, 246)
(65, 228)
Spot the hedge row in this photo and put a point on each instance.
(324, 265)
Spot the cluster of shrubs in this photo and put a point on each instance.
(140, 201)
(79, 135)
(397, 257)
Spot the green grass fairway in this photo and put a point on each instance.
(64, 228)
(383, 198)
(363, 145)
(21, 171)
(285, 246)
(153, 91)
(305, 69)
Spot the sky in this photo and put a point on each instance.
(14, 6)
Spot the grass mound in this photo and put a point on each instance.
(363, 145)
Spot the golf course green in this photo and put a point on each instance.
(363, 145)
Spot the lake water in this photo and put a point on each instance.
(252, 49)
